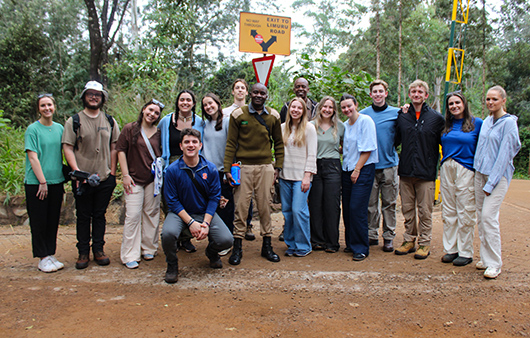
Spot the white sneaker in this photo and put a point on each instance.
(58, 264)
(480, 266)
(492, 272)
(224, 252)
(46, 265)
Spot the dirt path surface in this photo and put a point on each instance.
(320, 295)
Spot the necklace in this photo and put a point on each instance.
(185, 119)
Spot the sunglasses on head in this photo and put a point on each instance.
(44, 95)
(158, 103)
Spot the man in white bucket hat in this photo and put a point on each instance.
(89, 143)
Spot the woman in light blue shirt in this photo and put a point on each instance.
(498, 143)
(358, 172)
(213, 149)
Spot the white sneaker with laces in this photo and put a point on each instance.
(58, 264)
(46, 265)
(480, 265)
(492, 273)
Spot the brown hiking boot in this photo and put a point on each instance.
(82, 262)
(423, 252)
(101, 258)
(405, 248)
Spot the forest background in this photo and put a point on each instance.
(143, 49)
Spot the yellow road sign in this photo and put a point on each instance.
(265, 34)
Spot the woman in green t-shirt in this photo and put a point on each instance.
(44, 183)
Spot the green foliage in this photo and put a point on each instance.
(326, 78)
(521, 161)
(41, 50)
(11, 158)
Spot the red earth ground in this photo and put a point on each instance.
(321, 295)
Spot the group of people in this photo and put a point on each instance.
(206, 170)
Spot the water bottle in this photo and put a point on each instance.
(236, 173)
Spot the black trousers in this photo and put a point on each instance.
(44, 218)
(227, 213)
(91, 207)
(324, 204)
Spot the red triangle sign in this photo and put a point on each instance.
(263, 68)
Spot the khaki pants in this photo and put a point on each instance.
(488, 220)
(458, 208)
(141, 227)
(386, 184)
(257, 179)
(417, 193)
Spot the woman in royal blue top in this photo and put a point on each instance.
(459, 142)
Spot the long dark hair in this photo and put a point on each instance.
(137, 125)
(469, 120)
(192, 108)
(219, 121)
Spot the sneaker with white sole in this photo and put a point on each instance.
(480, 265)
(58, 264)
(131, 265)
(225, 252)
(46, 265)
(492, 273)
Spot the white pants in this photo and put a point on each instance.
(141, 228)
(458, 208)
(488, 220)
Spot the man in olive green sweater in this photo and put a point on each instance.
(252, 132)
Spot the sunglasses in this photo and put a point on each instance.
(158, 103)
(99, 95)
(44, 95)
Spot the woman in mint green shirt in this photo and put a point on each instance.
(44, 183)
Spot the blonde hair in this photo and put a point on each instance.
(334, 118)
(299, 134)
(502, 92)
(419, 83)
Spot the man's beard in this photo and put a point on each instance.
(88, 105)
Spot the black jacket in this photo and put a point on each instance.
(420, 141)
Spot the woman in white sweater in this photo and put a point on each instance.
(300, 139)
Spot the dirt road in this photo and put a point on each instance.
(321, 295)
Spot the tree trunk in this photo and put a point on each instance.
(484, 59)
(100, 40)
(96, 41)
(377, 45)
(437, 90)
(399, 51)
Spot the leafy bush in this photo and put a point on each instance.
(521, 161)
(11, 158)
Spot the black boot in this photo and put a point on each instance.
(266, 250)
(213, 256)
(237, 252)
(172, 273)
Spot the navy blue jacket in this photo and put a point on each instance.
(420, 142)
(180, 192)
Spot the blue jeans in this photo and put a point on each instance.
(355, 198)
(297, 232)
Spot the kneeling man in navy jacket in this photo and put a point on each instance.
(192, 190)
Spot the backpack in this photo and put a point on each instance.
(76, 125)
